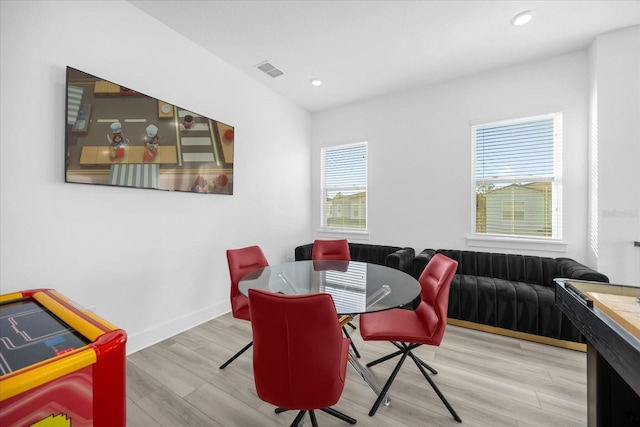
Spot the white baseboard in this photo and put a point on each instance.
(149, 337)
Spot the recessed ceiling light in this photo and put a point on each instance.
(522, 18)
(316, 82)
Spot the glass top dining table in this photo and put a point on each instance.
(356, 287)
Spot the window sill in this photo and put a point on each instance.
(338, 232)
(500, 242)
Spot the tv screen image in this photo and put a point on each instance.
(117, 136)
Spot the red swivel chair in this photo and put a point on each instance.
(334, 250)
(299, 354)
(407, 329)
(242, 261)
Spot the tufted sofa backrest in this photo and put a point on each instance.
(516, 268)
(390, 256)
(376, 254)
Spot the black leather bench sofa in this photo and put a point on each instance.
(390, 256)
(502, 293)
(510, 292)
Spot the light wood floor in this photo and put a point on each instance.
(489, 380)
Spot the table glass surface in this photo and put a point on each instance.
(356, 287)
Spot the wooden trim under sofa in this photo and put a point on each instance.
(521, 335)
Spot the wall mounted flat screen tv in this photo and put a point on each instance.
(120, 137)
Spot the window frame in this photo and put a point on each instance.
(348, 188)
(555, 240)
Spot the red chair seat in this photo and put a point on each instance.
(398, 325)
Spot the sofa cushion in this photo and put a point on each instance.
(517, 306)
(375, 254)
(513, 267)
(483, 300)
(570, 269)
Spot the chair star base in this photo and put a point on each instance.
(312, 415)
(406, 350)
(235, 356)
(397, 353)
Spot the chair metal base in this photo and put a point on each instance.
(312, 415)
(405, 350)
(235, 356)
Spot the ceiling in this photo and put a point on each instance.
(365, 49)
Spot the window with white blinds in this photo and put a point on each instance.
(517, 177)
(344, 187)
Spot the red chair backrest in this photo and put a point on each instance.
(299, 354)
(331, 250)
(243, 261)
(435, 282)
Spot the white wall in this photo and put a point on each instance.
(615, 93)
(151, 262)
(420, 152)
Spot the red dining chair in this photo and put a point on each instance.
(407, 329)
(299, 354)
(241, 262)
(334, 250)
(331, 250)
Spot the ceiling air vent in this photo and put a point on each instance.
(269, 69)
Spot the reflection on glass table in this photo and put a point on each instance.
(356, 287)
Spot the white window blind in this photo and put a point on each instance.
(517, 177)
(344, 187)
